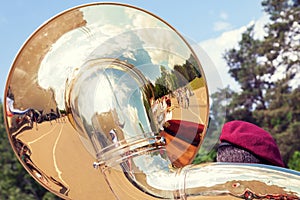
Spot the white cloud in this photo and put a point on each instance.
(221, 26)
(215, 49)
(224, 15)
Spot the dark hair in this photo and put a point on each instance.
(230, 153)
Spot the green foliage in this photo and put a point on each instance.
(288, 140)
(294, 162)
(204, 157)
(268, 99)
(245, 69)
(15, 182)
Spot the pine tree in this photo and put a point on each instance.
(268, 72)
(249, 72)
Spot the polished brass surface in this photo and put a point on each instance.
(40, 122)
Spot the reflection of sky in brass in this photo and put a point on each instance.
(106, 90)
(125, 90)
(75, 47)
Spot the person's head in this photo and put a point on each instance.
(244, 142)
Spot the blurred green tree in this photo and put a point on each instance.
(294, 162)
(267, 70)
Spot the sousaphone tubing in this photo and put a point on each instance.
(142, 51)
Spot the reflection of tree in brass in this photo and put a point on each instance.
(188, 71)
(179, 77)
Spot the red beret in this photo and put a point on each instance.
(253, 139)
(188, 131)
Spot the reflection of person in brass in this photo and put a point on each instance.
(244, 142)
(52, 115)
(127, 164)
(168, 113)
(15, 116)
(186, 98)
(162, 110)
(114, 137)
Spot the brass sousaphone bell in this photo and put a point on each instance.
(107, 100)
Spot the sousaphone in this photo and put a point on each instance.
(107, 101)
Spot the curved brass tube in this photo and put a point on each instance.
(149, 172)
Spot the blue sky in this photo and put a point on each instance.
(208, 23)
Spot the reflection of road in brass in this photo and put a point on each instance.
(58, 168)
(197, 110)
